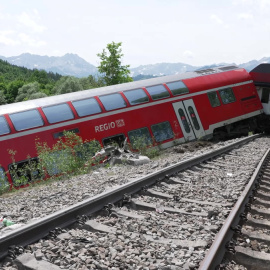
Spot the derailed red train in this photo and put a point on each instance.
(184, 107)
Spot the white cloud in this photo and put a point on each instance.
(245, 16)
(4, 39)
(188, 54)
(31, 41)
(26, 20)
(216, 19)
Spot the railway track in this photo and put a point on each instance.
(247, 230)
(166, 220)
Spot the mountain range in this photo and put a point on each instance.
(73, 65)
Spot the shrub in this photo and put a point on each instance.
(145, 146)
(69, 154)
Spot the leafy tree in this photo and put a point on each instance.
(110, 65)
(29, 91)
(2, 98)
(91, 82)
(11, 91)
(67, 85)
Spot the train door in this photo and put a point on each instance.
(189, 120)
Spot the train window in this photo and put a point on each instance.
(158, 91)
(26, 120)
(58, 113)
(24, 172)
(162, 131)
(178, 88)
(184, 120)
(61, 133)
(265, 95)
(193, 118)
(4, 128)
(227, 95)
(227, 68)
(86, 106)
(113, 101)
(117, 139)
(136, 96)
(140, 136)
(213, 98)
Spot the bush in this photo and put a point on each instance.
(69, 154)
(144, 146)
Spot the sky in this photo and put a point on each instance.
(195, 32)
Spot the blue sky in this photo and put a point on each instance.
(196, 32)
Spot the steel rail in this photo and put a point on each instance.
(217, 250)
(36, 230)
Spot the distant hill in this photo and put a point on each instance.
(10, 72)
(67, 65)
(252, 64)
(73, 65)
(162, 69)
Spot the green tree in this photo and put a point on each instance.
(110, 65)
(12, 89)
(29, 91)
(2, 98)
(91, 82)
(67, 85)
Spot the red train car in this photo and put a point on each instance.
(184, 107)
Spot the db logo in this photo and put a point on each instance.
(120, 123)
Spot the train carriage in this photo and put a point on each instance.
(184, 107)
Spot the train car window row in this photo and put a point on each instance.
(4, 128)
(27, 119)
(178, 88)
(227, 95)
(213, 98)
(86, 107)
(136, 96)
(140, 136)
(113, 101)
(58, 113)
(158, 92)
(162, 131)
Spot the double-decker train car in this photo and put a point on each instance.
(184, 107)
